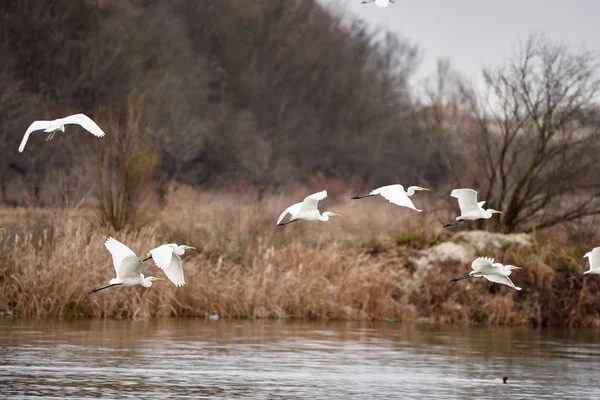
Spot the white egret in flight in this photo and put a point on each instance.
(128, 267)
(395, 194)
(379, 3)
(594, 259)
(470, 209)
(51, 127)
(167, 257)
(493, 272)
(307, 210)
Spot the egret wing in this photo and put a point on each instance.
(482, 263)
(118, 251)
(311, 202)
(169, 262)
(292, 210)
(130, 268)
(467, 200)
(35, 126)
(505, 280)
(85, 121)
(395, 194)
(595, 259)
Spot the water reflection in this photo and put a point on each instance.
(276, 359)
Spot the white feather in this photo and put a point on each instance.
(126, 263)
(164, 256)
(78, 119)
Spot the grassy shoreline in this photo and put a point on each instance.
(376, 262)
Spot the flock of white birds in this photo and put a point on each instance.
(128, 266)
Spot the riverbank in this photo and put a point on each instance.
(376, 262)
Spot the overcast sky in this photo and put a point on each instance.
(476, 33)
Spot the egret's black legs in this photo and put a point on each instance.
(103, 287)
(146, 259)
(361, 197)
(456, 221)
(460, 278)
(289, 222)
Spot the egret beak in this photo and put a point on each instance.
(190, 248)
(159, 279)
(424, 189)
(336, 215)
(1, 229)
(517, 267)
(499, 212)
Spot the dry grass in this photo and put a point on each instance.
(358, 266)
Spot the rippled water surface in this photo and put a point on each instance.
(179, 359)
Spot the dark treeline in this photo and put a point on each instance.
(230, 92)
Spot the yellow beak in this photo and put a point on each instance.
(517, 267)
(499, 212)
(336, 215)
(191, 248)
(424, 189)
(1, 229)
(159, 279)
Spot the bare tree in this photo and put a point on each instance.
(524, 146)
(124, 168)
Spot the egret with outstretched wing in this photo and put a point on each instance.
(307, 210)
(470, 209)
(493, 272)
(395, 194)
(167, 257)
(128, 267)
(594, 260)
(51, 127)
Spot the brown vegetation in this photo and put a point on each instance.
(364, 265)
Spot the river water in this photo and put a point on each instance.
(190, 358)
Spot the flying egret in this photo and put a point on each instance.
(167, 258)
(128, 267)
(594, 259)
(470, 209)
(51, 127)
(307, 210)
(379, 3)
(493, 272)
(395, 194)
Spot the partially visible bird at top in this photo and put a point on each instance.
(307, 210)
(470, 209)
(128, 267)
(167, 257)
(51, 127)
(493, 272)
(395, 194)
(379, 3)
(594, 260)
